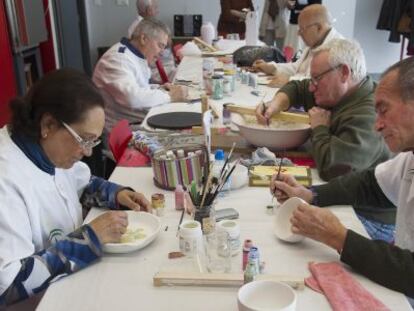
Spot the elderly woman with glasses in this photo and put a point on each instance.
(43, 186)
(339, 98)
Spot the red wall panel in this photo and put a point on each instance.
(8, 88)
(46, 48)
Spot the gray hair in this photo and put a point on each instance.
(405, 80)
(150, 27)
(346, 52)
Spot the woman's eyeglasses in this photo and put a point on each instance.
(85, 144)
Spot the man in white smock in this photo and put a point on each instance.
(123, 72)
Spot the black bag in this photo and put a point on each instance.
(246, 55)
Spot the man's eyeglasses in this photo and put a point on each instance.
(161, 45)
(303, 29)
(315, 80)
(85, 144)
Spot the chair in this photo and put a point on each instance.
(118, 141)
(119, 138)
(161, 71)
(288, 51)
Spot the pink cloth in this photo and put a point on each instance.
(343, 292)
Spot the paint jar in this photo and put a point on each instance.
(233, 229)
(158, 203)
(217, 87)
(226, 115)
(190, 237)
(253, 80)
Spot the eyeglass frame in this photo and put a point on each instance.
(302, 30)
(85, 144)
(315, 80)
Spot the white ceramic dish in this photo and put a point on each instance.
(151, 226)
(272, 138)
(282, 225)
(266, 296)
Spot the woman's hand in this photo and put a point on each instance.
(286, 186)
(319, 224)
(134, 200)
(109, 226)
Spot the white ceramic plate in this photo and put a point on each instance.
(282, 226)
(151, 226)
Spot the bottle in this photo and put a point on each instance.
(254, 256)
(179, 197)
(246, 249)
(208, 33)
(251, 272)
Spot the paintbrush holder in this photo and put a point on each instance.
(206, 216)
(180, 165)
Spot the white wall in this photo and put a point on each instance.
(108, 22)
(379, 53)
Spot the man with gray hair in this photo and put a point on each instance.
(123, 72)
(145, 8)
(339, 99)
(390, 183)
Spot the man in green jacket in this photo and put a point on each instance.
(340, 103)
(391, 183)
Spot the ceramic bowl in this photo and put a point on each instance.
(272, 138)
(266, 296)
(282, 225)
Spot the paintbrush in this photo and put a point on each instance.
(181, 220)
(277, 176)
(227, 159)
(264, 108)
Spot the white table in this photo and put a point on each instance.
(124, 282)
(190, 69)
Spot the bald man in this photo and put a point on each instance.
(145, 8)
(315, 30)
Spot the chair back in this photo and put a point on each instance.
(161, 71)
(119, 138)
(288, 51)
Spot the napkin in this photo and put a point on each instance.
(341, 289)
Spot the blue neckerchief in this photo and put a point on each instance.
(34, 152)
(132, 48)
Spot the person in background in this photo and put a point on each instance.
(150, 8)
(296, 7)
(274, 23)
(316, 30)
(228, 22)
(145, 8)
(390, 183)
(339, 99)
(43, 186)
(123, 72)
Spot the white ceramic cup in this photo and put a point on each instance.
(282, 226)
(266, 295)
